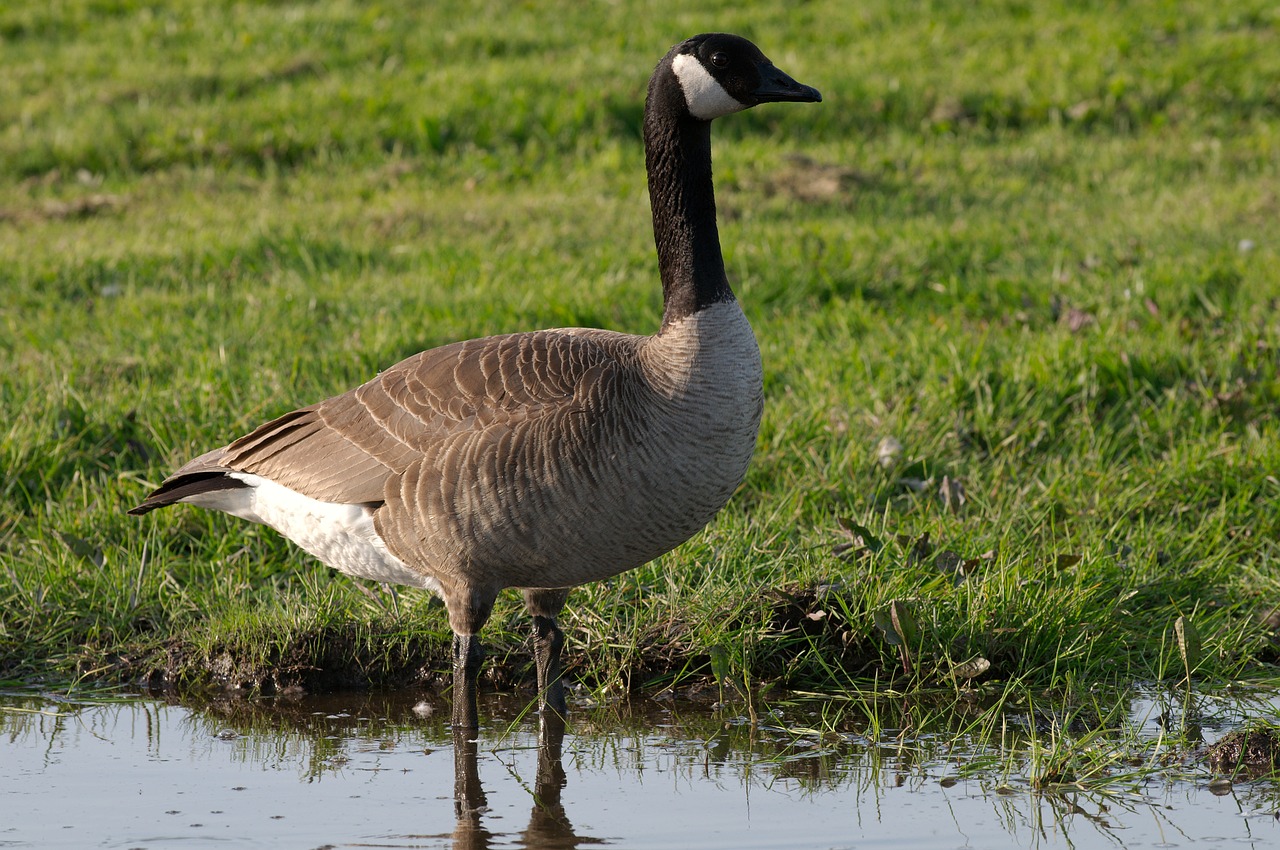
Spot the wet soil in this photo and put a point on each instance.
(804, 624)
(1247, 753)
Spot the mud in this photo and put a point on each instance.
(1247, 753)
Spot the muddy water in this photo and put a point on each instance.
(384, 771)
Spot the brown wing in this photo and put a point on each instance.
(347, 448)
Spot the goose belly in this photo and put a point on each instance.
(629, 510)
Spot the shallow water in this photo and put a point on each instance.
(371, 771)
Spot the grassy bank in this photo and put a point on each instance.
(1015, 283)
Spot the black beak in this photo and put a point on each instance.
(775, 86)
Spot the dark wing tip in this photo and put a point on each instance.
(184, 486)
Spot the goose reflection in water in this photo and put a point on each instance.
(549, 827)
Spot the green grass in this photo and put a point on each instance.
(1038, 244)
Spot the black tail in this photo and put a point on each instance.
(182, 486)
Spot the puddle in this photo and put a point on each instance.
(371, 771)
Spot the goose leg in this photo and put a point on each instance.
(544, 605)
(468, 655)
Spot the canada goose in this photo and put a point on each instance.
(537, 460)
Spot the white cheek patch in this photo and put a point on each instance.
(705, 97)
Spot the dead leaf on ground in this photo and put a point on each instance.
(861, 542)
(972, 565)
(918, 550)
(1082, 109)
(1078, 320)
(971, 669)
(807, 179)
(952, 493)
(89, 205)
(888, 450)
(900, 629)
(75, 208)
(960, 567)
(1190, 646)
(1066, 562)
(948, 561)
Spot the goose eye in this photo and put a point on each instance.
(720, 59)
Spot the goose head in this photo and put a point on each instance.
(720, 74)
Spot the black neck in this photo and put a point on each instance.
(678, 157)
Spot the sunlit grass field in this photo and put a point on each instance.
(1015, 282)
